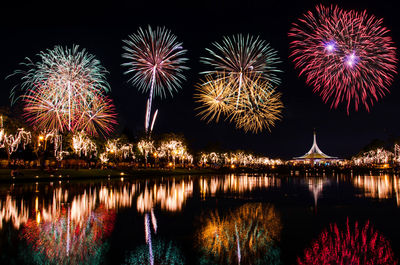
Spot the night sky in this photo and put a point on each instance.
(26, 29)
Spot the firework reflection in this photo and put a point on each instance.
(247, 235)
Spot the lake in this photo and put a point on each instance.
(213, 219)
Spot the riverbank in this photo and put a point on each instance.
(80, 174)
(28, 175)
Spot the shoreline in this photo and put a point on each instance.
(37, 175)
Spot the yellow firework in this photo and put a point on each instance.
(216, 97)
(259, 107)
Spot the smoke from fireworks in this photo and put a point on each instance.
(156, 62)
(65, 90)
(347, 56)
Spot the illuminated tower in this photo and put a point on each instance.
(314, 153)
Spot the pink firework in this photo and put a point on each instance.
(347, 56)
(358, 246)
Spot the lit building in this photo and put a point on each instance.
(315, 155)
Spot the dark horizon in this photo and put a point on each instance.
(100, 29)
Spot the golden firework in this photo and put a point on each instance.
(259, 108)
(216, 96)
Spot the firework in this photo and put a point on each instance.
(358, 246)
(243, 58)
(241, 86)
(65, 90)
(260, 109)
(156, 62)
(246, 236)
(347, 56)
(216, 96)
(257, 109)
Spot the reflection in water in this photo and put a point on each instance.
(236, 183)
(359, 246)
(64, 239)
(247, 235)
(379, 187)
(163, 253)
(147, 232)
(171, 196)
(316, 186)
(69, 222)
(11, 212)
(80, 206)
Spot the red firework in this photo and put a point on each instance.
(347, 56)
(361, 246)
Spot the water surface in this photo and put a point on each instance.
(227, 219)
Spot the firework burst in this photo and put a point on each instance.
(347, 56)
(257, 109)
(260, 109)
(65, 90)
(241, 86)
(243, 58)
(216, 97)
(156, 62)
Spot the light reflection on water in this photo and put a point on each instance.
(209, 186)
(169, 195)
(42, 212)
(246, 235)
(379, 187)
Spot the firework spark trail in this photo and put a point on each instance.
(156, 62)
(347, 56)
(154, 120)
(150, 97)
